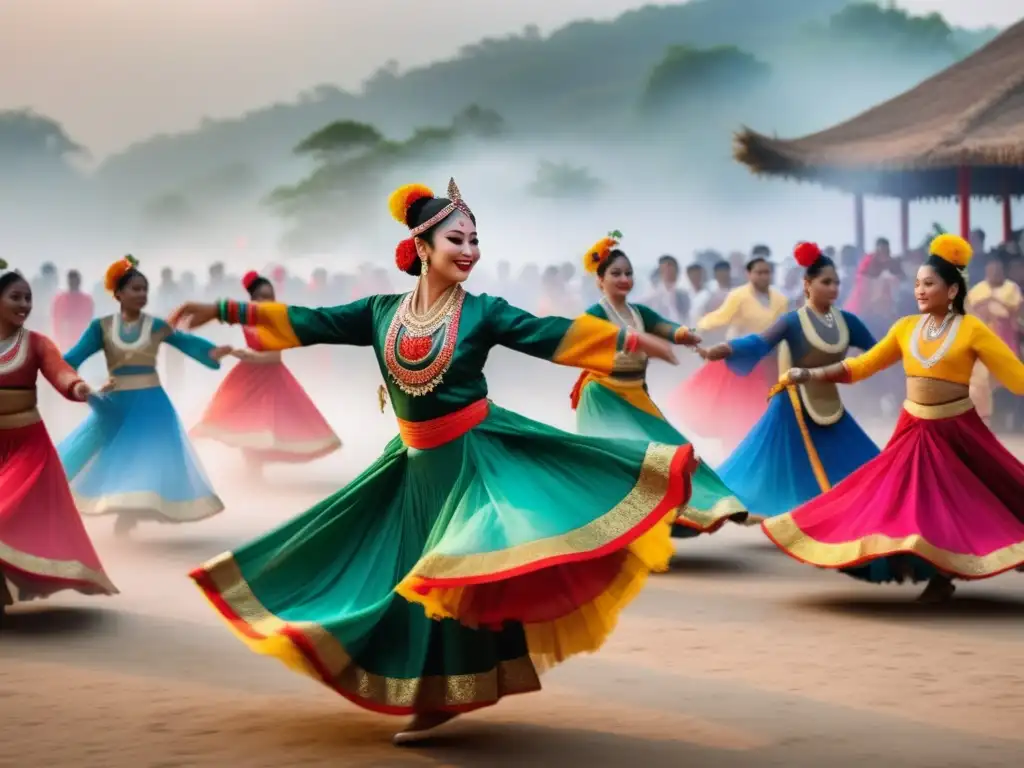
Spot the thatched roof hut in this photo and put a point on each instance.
(957, 134)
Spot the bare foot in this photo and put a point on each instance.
(939, 590)
(421, 726)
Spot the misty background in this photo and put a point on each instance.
(557, 131)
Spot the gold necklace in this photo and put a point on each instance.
(434, 317)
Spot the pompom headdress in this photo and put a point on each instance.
(249, 278)
(118, 270)
(598, 253)
(3, 265)
(399, 203)
(953, 249)
(806, 254)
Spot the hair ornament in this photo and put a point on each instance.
(405, 254)
(598, 253)
(402, 199)
(806, 254)
(118, 270)
(249, 278)
(3, 264)
(953, 249)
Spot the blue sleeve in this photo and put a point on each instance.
(87, 346)
(197, 348)
(860, 336)
(748, 351)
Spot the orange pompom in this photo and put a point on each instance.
(249, 278)
(117, 270)
(405, 196)
(806, 254)
(405, 254)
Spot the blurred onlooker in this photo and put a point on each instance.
(668, 298)
(73, 310)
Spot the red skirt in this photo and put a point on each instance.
(262, 409)
(716, 403)
(44, 547)
(944, 494)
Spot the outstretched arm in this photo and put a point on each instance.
(860, 336)
(724, 315)
(196, 347)
(998, 358)
(882, 355)
(62, 377)
(743, 354)
(279, 326)
(586, 342)
(666, 329)
(87, 346)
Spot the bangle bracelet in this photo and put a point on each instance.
(222, 313)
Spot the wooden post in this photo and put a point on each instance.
(1007, 219)
(963, 184)
(858, 223)
(904, 226)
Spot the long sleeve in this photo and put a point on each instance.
(660, 326)
(882, 355)
(998, 358)
(724, 315)
(279, 326)
(860, 336)
(62, 377)
(87, 346)
(196, 347)
(748, 351)
(586, 342)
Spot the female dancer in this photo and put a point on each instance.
(806, 442)
(482, 546)
(944, 499)
(43, 544)
(620, 406)
(261, 408)
(715, 402)
(131, 457)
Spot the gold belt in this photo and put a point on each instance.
(18, 420)
(941, 411)
(135, 381)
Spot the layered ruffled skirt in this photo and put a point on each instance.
(448, 575)
(788, 459)
(717, 403)
(44, 547)
(944, 495)
(131, 457)
(261, 409)
(624, 410)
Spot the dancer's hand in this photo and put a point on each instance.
(798, 375)
(219, 353)
(717, 352)
(656, 347)
(193, 314)
(108, 386)
(81, 391)
(689, 339)
(243, 354)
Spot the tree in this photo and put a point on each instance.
(866, 28)
(339, 138)
(701, 78)
(562, 181)
(28, 139)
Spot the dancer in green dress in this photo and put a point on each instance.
(620, 406)
(481, 547)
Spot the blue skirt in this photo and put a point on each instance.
(770, 470)
(131, 456)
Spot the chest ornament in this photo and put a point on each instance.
(418, 350)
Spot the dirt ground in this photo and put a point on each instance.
(737, 658)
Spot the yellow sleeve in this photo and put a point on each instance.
(884, 354)
(725, 314)
(998, 358)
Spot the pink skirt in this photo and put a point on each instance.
(944, 495)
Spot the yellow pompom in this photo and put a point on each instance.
(597, 253)
(3, 264)
(403, 197)
(952, 248)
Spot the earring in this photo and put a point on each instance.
(424, 266)
(949, 307)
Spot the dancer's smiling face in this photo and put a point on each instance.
(134, 294)
(264, 292)
(452, 249)
(933, 294)
(15, 302)
(617, 280)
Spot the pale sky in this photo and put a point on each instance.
(114, 71)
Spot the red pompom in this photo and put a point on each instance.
(806, 254)
(249, 278)
(405, 254)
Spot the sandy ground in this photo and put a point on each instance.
(739, 657)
